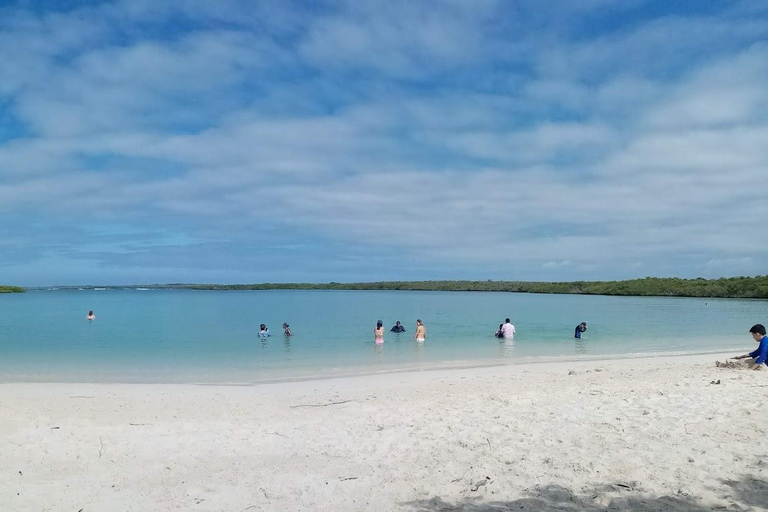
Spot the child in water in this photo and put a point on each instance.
(263, 331)
(91, 316)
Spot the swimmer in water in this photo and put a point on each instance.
(287, 330)
(91, 316)
(378, 333)
(500, 332)
(263, 331)
(421, 332)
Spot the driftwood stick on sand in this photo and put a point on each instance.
(321, 405)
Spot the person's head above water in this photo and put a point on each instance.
(379, 324)
(285, 325)
(506, 321)
(418, 321)
(263, 327)
(397, 323)
(90, 313)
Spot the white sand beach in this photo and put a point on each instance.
(645, 434)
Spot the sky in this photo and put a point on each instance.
(233, 141)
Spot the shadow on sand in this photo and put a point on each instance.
(741, 494)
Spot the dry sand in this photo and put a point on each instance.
(648, 434)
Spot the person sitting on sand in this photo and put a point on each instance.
(421, 332)
(378, 333)
(91, 316)
(287, 329)
(756, 358)
(263, 331)
(508, 330)
(397, 327)
(582, 327)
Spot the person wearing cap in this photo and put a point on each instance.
(580, 329)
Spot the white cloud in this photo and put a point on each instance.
(582, 154)
(403, 39)
(556, 264)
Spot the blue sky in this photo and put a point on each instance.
(245, 141)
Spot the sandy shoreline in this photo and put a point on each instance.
(640, 434)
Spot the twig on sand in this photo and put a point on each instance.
(139, 424)
(249, 508)
(102, 448)
(480, 483)
(321, 405)
(489, 444)
(349, 478)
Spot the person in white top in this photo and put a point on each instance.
(508, 330)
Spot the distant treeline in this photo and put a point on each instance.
(11, 289)
(733, 287)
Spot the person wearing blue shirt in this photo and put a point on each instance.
(759, 356)
(582, 327)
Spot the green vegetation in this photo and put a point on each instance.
(733, 287)
(11, 289)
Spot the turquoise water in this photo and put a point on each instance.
(201, 336)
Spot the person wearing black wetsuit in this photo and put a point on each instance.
(397, 327)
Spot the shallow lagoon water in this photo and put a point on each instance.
(211, 336)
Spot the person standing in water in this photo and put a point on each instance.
(91, 316)
(582, 327)
(287, 329)
(263, 331)
(421, 332)
(378, 333)
(508, 330)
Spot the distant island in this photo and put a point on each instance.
(11, 289)
(732, 287)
